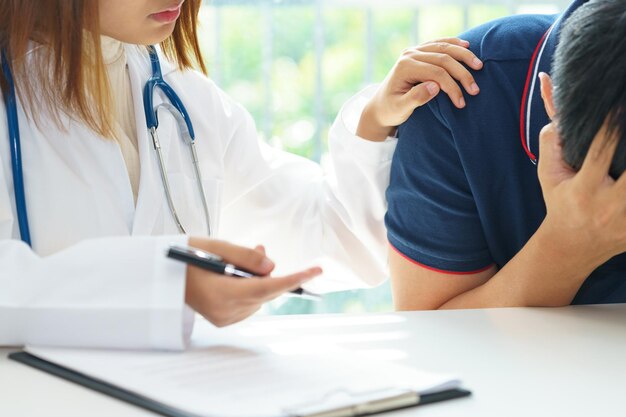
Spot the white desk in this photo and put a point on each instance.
(518, 362)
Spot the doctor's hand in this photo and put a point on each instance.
(226, 300)
(586, 210)
(417, 77)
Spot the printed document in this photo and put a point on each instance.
(229, 375)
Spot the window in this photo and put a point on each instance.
(293, 63)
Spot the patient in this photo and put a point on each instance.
(473, 221)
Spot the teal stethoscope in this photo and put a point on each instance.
(175, 107)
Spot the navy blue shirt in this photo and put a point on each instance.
(464, 192)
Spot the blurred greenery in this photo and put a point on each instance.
(264, 55)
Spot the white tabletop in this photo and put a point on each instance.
(517, 362)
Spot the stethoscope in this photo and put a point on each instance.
(175, 107)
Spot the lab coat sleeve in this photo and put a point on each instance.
(305, 215)
(104, 293)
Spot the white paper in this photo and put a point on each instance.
(228, 375)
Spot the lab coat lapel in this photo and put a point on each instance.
(152, 214)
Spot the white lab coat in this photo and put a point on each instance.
(97, 275)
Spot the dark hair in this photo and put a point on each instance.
(589, 76)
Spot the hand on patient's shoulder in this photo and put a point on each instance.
(419, 75)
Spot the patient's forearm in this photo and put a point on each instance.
(543, 273)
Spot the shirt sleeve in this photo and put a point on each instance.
(304, 214)
(432, 218)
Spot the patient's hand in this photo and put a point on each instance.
(586, 209)
(418, 76)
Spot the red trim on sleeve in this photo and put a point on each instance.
(441, 271)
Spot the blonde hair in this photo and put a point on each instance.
(73, 80)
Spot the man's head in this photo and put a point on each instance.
(589, 79)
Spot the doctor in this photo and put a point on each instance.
(97, 178)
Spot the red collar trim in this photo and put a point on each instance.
(523, 109)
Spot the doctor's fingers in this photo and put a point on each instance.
(453, 67)
(453, 41)
(417, 97)
(423, 71)
(455, 47)
(459, 53)
(261, 290)
(253, 260)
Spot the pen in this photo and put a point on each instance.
(215, 263)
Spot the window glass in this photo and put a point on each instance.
(293, 63)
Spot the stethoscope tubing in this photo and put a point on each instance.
(185, 127)
(10, 101)
(156, 80)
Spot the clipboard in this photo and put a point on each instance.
(386, 401)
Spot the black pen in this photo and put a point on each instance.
(215, 263)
